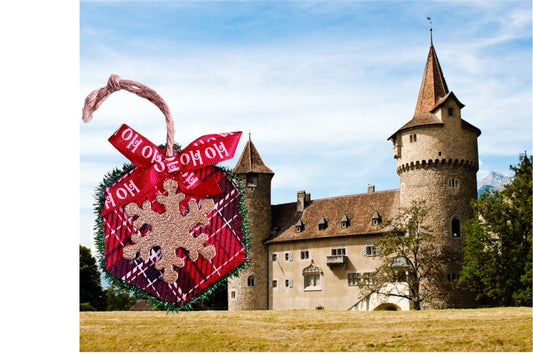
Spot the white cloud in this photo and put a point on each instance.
(321, 101)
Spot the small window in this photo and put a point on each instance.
(322, 224)
(304, 253)
(273, 257)
(368, 278)
(354, 278)
(376, 219)
(453, 277)
(288, 256)
(368, 249)
(299, 226)
(450, 111)
(251, 281)
(338, 249)
(288, 283)
(412, 138)
(456, 228)
(252, 180)
(345, 222)
(273, 283)
(233, 294)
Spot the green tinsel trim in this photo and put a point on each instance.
(139, 293)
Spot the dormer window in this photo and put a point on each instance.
(376, 219)
(345, 222)
(252, 180)
(322, 224)
(299, 226)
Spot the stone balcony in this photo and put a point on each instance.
(334, 260)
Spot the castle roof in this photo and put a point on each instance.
(358, 210)
(433, 93)
(250, 161)
(433, 86)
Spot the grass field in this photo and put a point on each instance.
(497, 329)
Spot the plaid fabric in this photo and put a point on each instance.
(225, 234)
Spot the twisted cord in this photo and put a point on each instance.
(115, 83)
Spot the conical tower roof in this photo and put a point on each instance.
(251, 162)
(432, 94)
(433, 86)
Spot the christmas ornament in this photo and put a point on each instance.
(172, 225)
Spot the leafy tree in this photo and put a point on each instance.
(497, 253)
(118, 299)
(411, 258)
(91, 294)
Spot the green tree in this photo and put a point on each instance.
(497, 252)
(91, 294)
(411, 258)
(118, 299)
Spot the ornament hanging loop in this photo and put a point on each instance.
(115, 83)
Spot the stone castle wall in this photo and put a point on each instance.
(243, 293)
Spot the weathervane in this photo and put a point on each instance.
(430, 29)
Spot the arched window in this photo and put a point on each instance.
(456, 228)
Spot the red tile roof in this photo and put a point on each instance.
(251, 162)
(358, 208)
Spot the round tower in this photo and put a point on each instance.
(437, 158)
(249, 291)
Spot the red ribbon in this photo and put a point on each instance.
(153, 168)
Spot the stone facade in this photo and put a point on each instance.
(311, 253)
(250, 289)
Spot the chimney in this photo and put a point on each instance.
(301, 199)
(371, 188)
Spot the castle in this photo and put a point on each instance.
(311, 254)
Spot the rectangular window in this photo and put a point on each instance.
(338, 249)
(273, 257)
(288, 283)
(288, 256)
(251, 281)
(312, 282)
(369, 249)
(450, 111)
(273, 283)
(453, 277)
(233, 295)
(354, 278)
(367, 278)
(304, 253)
(252, 180)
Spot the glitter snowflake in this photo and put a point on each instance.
(169, 230)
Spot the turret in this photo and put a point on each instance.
(249, 291)
(437, 157)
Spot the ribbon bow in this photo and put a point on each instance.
(153, 168)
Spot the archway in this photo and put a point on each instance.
(387, 307)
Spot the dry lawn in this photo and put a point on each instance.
(497, 329)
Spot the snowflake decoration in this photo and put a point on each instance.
(169, 230)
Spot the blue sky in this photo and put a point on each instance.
(320, 85)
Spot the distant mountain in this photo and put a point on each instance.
(494, 180)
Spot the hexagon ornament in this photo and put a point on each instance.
(171, 226)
